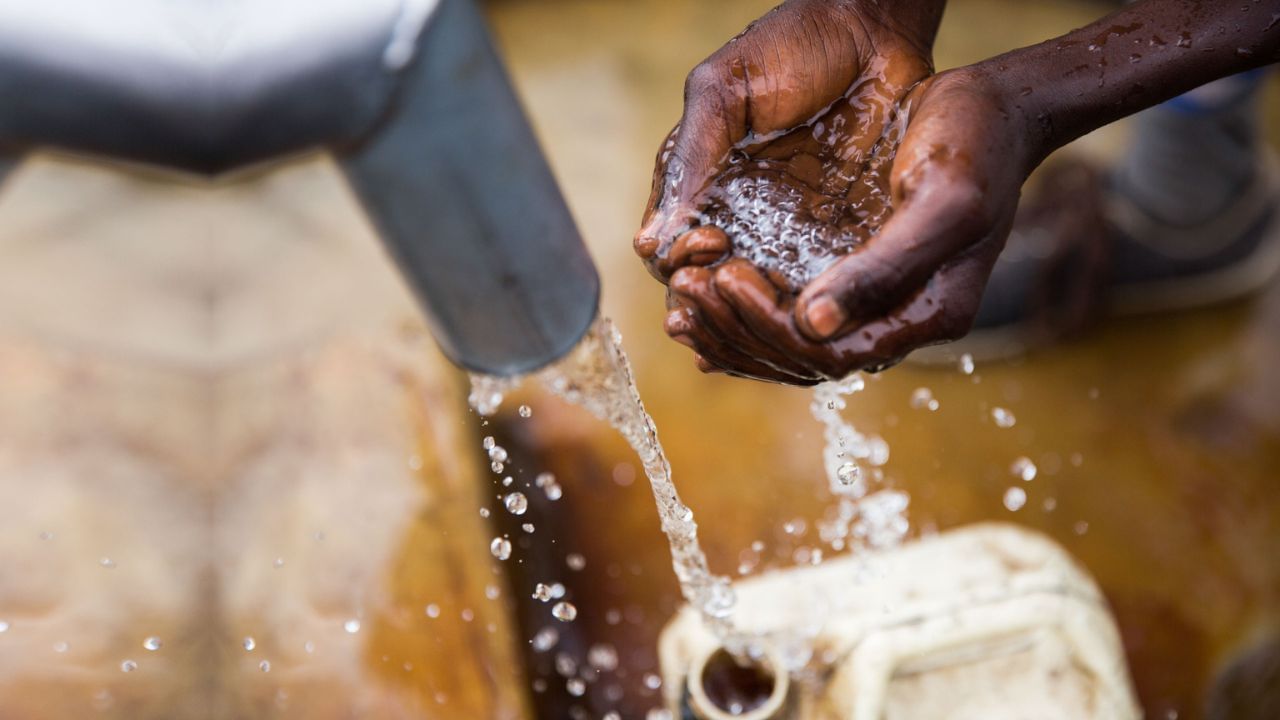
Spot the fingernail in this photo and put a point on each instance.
(825, 316)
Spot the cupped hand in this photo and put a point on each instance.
(769, 104)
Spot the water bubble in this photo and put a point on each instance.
(542, 592)
(128, 666)
(848, 473)
(966, 364)
(1003, 418)
(525, 411)
(1024, 468)
(265, 666)
(1014, 498)
(575, 561)
(564, 611)
(249, 643)
(500, 548)
(152, 643)
(923, 398)
(545, 639)
(352, 626)
(516, 503)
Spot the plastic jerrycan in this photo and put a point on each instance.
(986, 622)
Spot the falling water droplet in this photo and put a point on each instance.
(516, 503)
(250, 643)
(966, 364)
(652, 681)
(433, 611)
(527, 527)
(128, 666)
(1024, 468)
(575, 561)
(576, 687)
(152, 643)
(542, 592)
(545, 639)
(265, 666)
(525, 411)
(564, 611)
(923, 398)
(501, 548)
(1014, 498)
(352, 626)
(1003, 417)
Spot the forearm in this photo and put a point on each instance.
(1142, 55)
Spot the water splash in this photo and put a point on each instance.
(597, 376)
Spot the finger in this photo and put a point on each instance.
(755, 300)
(940, 218)
(700, 246)
(712, 354)
(942, 311)
(696, 286)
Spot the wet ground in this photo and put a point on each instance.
(221, 420)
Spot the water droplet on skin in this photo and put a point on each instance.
(1024, 468)
(46, 535)
(542, 592)
(152, 643)
(433, 611)
(516, 503)
(564, 611)
(308, 647)
(128, 666)
(1003, 418)
(966, 364)
(249, 644)
(1014, 498)
(500, 548)
(61, 646)
(265, 666)
(352, 626)
(525, 411)
(107, 563)
(4, 626)
(278, 563)
(575, 561)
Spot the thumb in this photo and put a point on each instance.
(939, 219)
(714, 121)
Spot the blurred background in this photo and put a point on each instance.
(237, 480)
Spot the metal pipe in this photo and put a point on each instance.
(466, 202)
(426, 125)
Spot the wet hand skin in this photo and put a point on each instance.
(968, 140)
